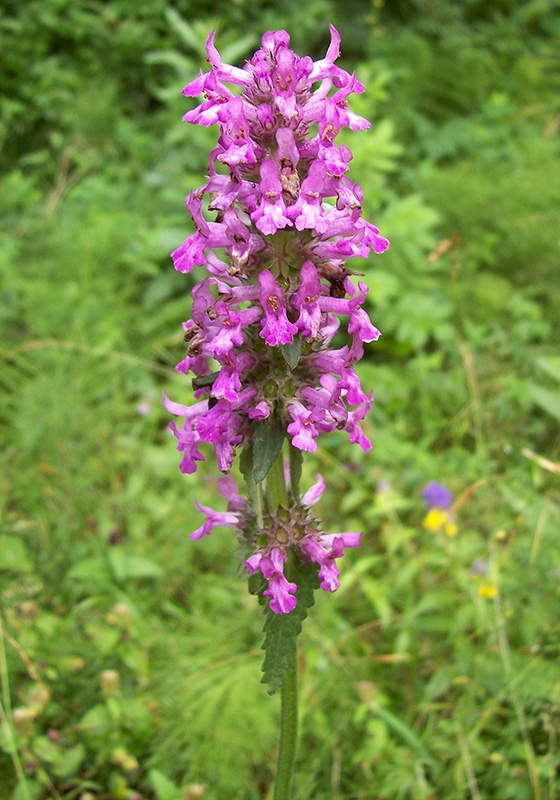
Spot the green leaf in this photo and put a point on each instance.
(126, 565)
(253, 491)
(162, 786)
(405, 732)
(546, 399)
(27, 790)
(94, 569)
(238, 48)
(96, 723)
(204, 381)
(551, 365)
(276, 485)
(296, 465)
(292, 352)
(268, 438)
(104, 637)
(46, 750)
(281, 630)
(13, 555)
(185, 31)
(69, 763)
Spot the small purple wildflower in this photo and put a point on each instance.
(479, 566)
(437, 495)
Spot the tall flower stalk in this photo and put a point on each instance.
(267, 376)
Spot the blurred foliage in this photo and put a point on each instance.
(129, 656)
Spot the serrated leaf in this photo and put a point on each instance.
(292, 352)
(268, 438)
(282, 630)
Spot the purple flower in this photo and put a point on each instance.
(307, 211)
(280, 591)
(317, 552)
(277, 328)
(314, 493)
(225, 72)
(239, 147)
(230, 332)
(274, 226)
(271, 212)
(217, 94)
(214, 519)
(303, 428)
(479, 566)
(305, 300)
(313, 545)
(436, 495)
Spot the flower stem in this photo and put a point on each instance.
(288, 732)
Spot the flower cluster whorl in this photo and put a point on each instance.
(287, 220)
(293, 528)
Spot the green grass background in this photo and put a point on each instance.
(129, 655)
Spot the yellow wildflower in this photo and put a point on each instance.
(487, 590)
(435, 519)
(451, 528)
(438, 518)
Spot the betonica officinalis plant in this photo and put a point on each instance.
(267, 378)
